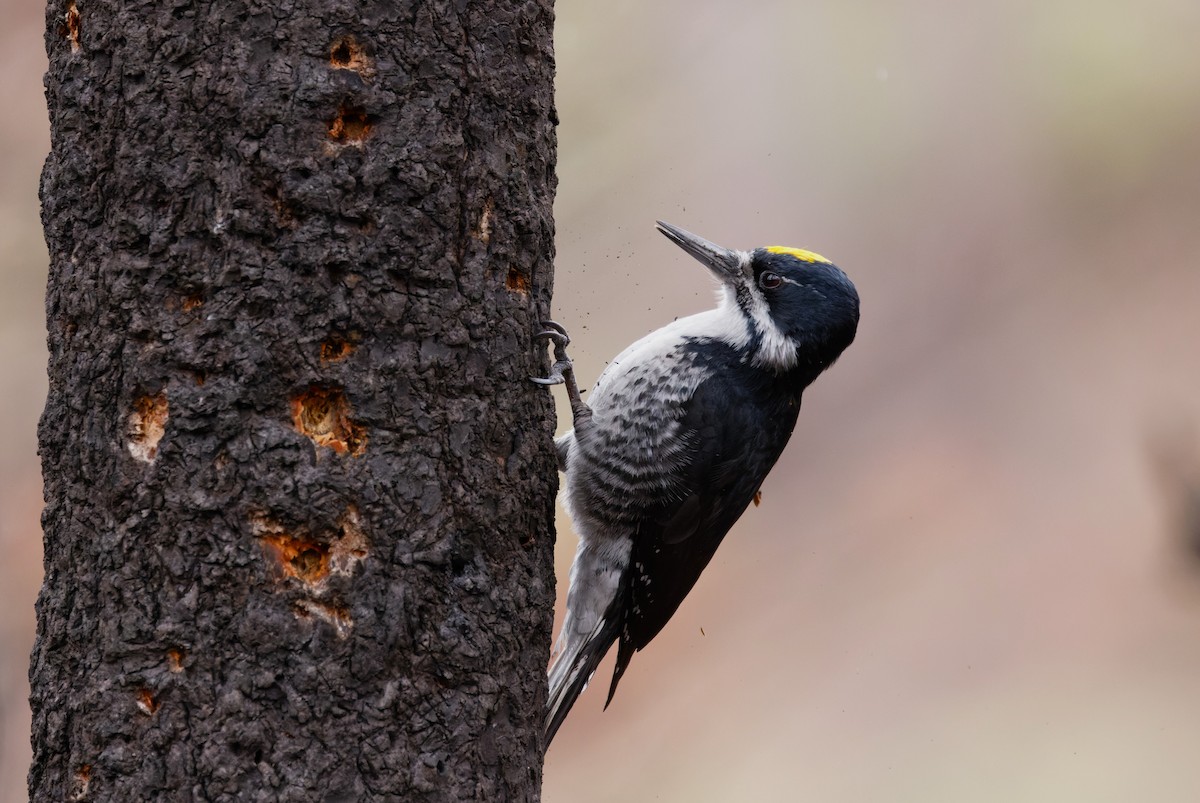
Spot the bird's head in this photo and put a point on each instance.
(799, 310)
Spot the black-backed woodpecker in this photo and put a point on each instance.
(678, 436)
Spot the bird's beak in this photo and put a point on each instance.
(725, 264)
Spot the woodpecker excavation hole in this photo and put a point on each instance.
(311, 561)
(351, 126)
(191, 302)
(336, 348)
(299, 558)
(175, 661)
(347, 54)
(146, 426)
(70, 26)
(322, 414)
(81, 782)
(146, 702)
(516, 281)
(339, 54)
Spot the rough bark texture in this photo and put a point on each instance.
(299, 491)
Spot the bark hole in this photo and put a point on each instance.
(347, 54)
(311, 560)
(146, 426)
(301, 558)
(146, 702)
(322, 414)
(351, 125)
(81, 782)
(175, 661)
(516, 281)
(69, 29)
(336, 348)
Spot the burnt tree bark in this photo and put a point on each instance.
(299, 491)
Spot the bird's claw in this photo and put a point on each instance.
(562, 372)
(555, 331)
(556, 334)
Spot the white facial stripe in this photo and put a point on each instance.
(776, 351)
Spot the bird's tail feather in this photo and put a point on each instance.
(573, 668)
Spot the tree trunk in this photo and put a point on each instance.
(299, 491)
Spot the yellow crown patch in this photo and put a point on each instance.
(798, 253)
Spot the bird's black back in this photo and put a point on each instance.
(739, 420)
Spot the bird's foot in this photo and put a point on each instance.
(563, 371)
(556, 334)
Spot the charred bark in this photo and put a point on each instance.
(299, 491)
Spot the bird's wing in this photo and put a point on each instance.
(736, 442)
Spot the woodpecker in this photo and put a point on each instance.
(680, 432)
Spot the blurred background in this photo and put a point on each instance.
(975, 573)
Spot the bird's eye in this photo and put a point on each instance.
(769, 281)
